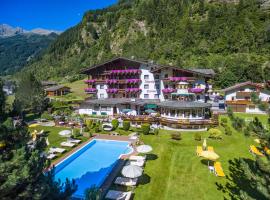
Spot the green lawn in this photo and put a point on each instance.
(177, 173)
(77, 88)
(262, 117)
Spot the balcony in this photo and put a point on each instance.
(179, 79)
(168, 90)
(244, 95)
(124, 71)
(90, 81)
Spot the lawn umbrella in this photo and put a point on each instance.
(204, 144)
(209, 155)
(132, 171)
(149, 111)
(144, 149)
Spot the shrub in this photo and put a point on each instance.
(156, 131)
(269, 120)
(145, 128)
(263, 106)
(198, 136)
(176, 136)
(97, 130)
(46, 115)
(228, 130)
(224, 122)
(247, 131)
(215, 133)
(76, 133)
(92, 193)
(89, 123)
(86, 129)
(238, 123)
(230, 112)
(115, 123)
(126, 125)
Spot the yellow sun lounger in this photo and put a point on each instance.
(255, 151)
(210, 148)
(218, 169)
(267, 150)
(199, 150)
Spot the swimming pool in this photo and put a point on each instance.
(91, 164)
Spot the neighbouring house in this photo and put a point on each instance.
(239, 97)
(8, 87)
(58, 90)
(47, 84)
(136, 89)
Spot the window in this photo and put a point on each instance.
(146, 77)
(156, 96)
(146, 86)
(103, 108)
(157, 86)
(101, 96)
(101, 86)
(166, 76)
(156, 76)
(146, 96)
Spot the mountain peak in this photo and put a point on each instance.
(8, 31)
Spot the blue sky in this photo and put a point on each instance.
(48, 14)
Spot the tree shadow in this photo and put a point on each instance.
(144, 179)
(151, 156)
(238, 185)
(207, 162)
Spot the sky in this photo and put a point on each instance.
(48, 14)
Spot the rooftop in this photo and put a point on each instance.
(55, 88)
(183, 105)
(239, 85)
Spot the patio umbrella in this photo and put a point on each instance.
(209, 155)
(126, 110)
(132, 171)
(149, 111)
(204, 144)
(144, 149)
(65, 133)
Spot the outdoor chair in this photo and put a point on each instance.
(118, 195)
(199, 150)
(218, 169)
(126, 181)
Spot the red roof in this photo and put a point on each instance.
(239, 85)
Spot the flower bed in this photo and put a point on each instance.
(168, 90)
(129, 90)
(90, 81)
(90, 90)
(125, 71)
(195, 90)
(111, 81)
(112, 90)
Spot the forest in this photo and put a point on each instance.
(233, 39)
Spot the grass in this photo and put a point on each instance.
(177, 173)
(54, 138)
(77, 88)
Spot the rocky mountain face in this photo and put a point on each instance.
(8, 31)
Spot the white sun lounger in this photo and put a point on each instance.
(74, 141)
(138, 163)
(67, 144)
(118, 195)
(56, 150)
(51, 156)
(126, 181)
(137, 158)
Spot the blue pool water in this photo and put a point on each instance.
(91, 164)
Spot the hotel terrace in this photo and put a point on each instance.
(145, 92)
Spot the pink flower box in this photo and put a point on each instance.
(90, 81)
(168, 90)
(195, 90)
(90, 90)
(112, 90)
(175, 79)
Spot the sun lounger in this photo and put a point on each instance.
(255, 151)
(56, 150)
(139, 163)
(137, 158)
(67, 144)
(74, 141)
(199, 150)
(118, 195)
(126, 181)
(210, 148)
(51, 156)
(218, 169)
(267, 150)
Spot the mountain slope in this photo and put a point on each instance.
(16, 51)
(231, 38)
